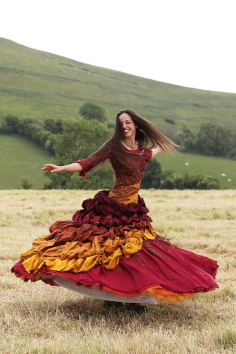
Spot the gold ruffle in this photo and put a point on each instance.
(80, 256)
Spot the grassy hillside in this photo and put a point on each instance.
(21, 159)
(42, 85)
(205, 165)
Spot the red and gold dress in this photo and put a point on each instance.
(110, 250)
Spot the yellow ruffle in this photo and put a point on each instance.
(162, 295)
(80, 257)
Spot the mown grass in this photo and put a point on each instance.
(41, 85)
(20, 159)
(36, 318)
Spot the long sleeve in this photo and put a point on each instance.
(95, 159)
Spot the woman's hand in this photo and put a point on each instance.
(52, 168)
(73, 167)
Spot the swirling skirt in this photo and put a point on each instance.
(110, 251)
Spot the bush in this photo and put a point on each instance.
(213, 139)
(90, 110)
(152, 174)
(169, 121)
(232, 154)
(53, 126)
(25, 184)
(170, 181)
(9, 125)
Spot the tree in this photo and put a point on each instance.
(90, 110)
(214, 139)
(152, 175)
(9, 125)
(188, 138)
(80, 139)
(53, 126)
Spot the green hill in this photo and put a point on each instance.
(42, 85)
(21, 159)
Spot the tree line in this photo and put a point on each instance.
(211, 139)
(76, 138)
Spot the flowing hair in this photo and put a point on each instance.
(147, 133)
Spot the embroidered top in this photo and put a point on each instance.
(128, 176)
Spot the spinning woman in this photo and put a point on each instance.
(110, 250)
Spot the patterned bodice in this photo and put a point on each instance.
(128, 173)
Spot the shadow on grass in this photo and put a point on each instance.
(180, 315)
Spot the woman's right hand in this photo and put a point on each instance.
(52, 168)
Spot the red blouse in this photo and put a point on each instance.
(128, 175)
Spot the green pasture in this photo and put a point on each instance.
(200, 164)
(21, 159)
(41, 85)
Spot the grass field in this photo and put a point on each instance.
(21, 159)
(41, 85)
(39, 319)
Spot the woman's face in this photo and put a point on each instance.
(127, 125)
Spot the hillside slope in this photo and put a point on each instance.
(21, 159)
(42, 85)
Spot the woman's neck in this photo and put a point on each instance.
(131, 144)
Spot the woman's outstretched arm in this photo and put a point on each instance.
(73, 167)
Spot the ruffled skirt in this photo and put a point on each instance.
(110, 251)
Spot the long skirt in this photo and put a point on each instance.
(110, 251)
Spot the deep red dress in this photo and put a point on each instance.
(110, 251)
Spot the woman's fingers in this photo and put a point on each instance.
(49, 167)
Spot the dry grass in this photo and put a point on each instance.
(36, 318)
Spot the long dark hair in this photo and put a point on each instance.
(146, 132)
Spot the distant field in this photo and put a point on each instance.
(21, 159)
(205, 165)
(39, 319)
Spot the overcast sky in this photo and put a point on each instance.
(184, 42)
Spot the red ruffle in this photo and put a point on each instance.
(158, 263)
(67, 231)
(102, 210)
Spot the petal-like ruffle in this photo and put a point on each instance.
(164, 272)
(64, 251)
(102, 210)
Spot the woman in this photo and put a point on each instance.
(109, 250)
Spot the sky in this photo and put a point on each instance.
(184, 42)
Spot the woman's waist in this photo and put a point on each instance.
(125, 193)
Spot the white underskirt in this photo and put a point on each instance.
(103, 295)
